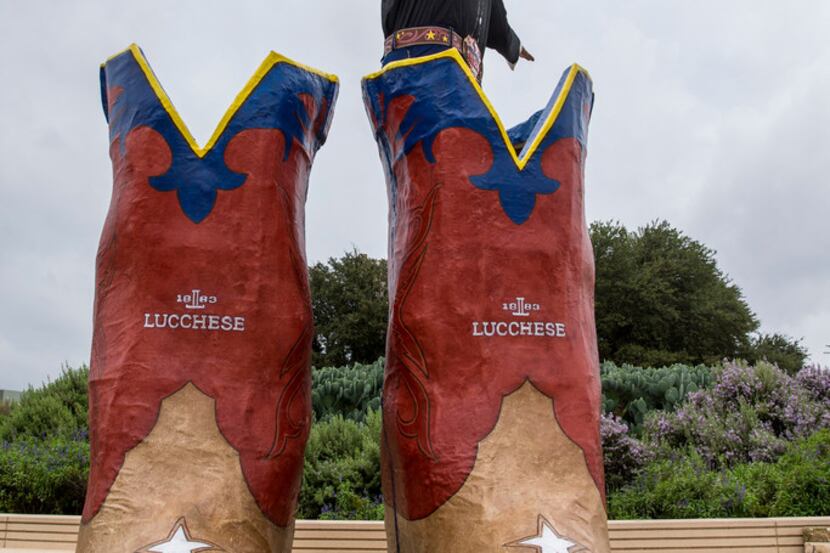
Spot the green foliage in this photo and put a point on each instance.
(44, 475)
(631, 392)
(661, 299)
(350, 391)
(681, 488)
(44, 458)
(788, 354)
(797, 484)
(350, 304)
(341, 479)
(802, 479)
(58, 408)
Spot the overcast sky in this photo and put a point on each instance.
(713, 115)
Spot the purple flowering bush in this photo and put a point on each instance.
(815, 381)
(751, 413)
(624, 455)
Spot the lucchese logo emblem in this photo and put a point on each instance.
(195, 299)
(521, 309)
(192, 319)
(547, 540)
(179, 540)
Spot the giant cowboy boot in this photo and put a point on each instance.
(200, 380)
(492, 396)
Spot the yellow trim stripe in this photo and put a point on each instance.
(553, 115)
(271, 60)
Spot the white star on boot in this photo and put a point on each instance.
(179, 541)
(547, 540)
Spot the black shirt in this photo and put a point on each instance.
(484, 20)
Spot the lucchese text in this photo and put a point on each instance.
(520, 308)
(195, 301)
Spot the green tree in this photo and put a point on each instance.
(350, 304)
(789, 354)
(661, 299)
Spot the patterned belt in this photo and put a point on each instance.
(437, 36)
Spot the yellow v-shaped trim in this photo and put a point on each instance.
(271, 60)
(533, 144)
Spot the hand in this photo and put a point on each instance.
(526, 55)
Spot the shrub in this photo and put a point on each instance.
(749, 414)
(44, 476)
(816, 382)
(341, 478)
(623, 455)
(797, 484)
(350, 391)
(632, 392)
(803, 478)
(57, 408)
(349, 505)
(680, 488)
